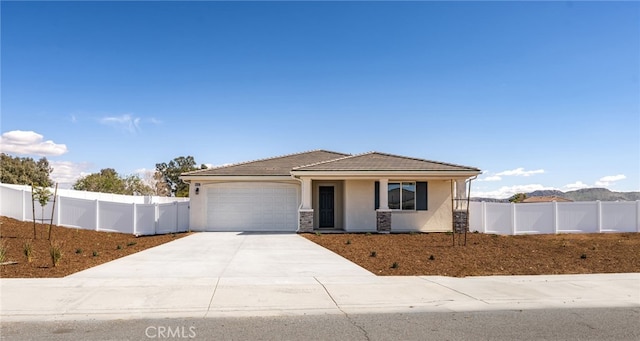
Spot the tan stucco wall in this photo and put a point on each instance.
(360, 215)
(438, 217)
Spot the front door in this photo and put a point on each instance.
(326, 206)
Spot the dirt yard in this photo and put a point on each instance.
(413, 254)
(434, 253)
(81, 249)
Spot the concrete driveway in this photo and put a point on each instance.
(229, 254)
(252, 274)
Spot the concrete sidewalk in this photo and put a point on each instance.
(230, 274)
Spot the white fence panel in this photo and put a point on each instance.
(580, 217)
(476, 216)
(560, 217)
(115, 217)
(78, 213)
(145, 219)
(99, 211)
(534, 218)
(11, 203)
(167, 218)
(498, 218)
(183, 216)
(619, 216)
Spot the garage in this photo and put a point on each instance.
(252, 206)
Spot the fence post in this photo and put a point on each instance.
(97, 214)
(156, 218)
(175, 204)
(24, 198)
(638, 215)
(599, 215)
(555, 217)
(135, 220)
(513, 219)
(484, 217)
(59, 209)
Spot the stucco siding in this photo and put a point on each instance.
(360, 214)
(436, 219)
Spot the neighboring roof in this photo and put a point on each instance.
(275, 166)
(375, 161)
(546, 199)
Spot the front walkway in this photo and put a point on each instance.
(247, 274)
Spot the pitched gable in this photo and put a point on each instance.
(275, 166)
(375, 161)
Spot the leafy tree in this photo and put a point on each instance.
(171, 171)
(25, 171)
(518, 197)
(108, 181)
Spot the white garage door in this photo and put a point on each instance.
(252, 207)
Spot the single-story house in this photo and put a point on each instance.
(325, 190)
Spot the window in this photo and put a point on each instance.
(402, 195)
(413, 195)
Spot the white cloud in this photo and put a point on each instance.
(520, 172)
(609, 180)
(492, 178)
(576, 185)
(65, 173)
(125, 122)
(505, 192)
(29, 143)
(155, 121)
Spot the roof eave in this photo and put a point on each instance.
(448, 174)
(189, 178)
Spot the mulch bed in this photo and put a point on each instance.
(485, 254)
(81, 249)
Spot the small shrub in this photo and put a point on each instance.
(95, 253)
(412, 232)
(448, 233)
(583, 256)
(432, 257)
(348, 242)
(394, 265)
(119, 247)
(131, 243)
(3, 252)
(27, 249)
(318, 233)
(373, 254)
(367, 234)
(55, 251)
(78, 251)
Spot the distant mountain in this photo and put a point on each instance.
(585, 194)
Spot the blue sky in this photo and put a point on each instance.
(537, 95)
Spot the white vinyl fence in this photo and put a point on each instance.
(555, 217)
(136, 215)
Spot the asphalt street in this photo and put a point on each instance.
(542, 324)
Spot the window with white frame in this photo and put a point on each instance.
(402, 195)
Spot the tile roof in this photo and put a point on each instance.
(327, 161)
(375, 161)
(275, 166)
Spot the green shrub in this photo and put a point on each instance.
(3, 252)
(55, 251)
(78, 251)
(373, 254)
(394, 265)
(95, 253)
(27, 249)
